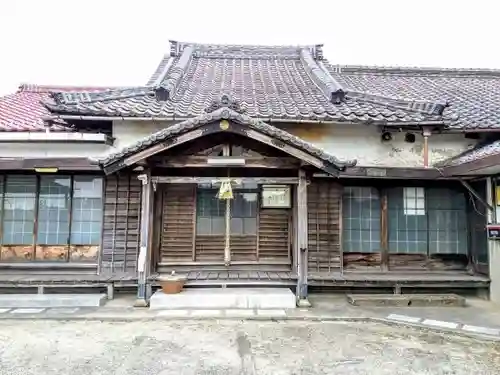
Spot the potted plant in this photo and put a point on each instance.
(172, 284)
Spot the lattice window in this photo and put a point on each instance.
(361, 219)
(407, 220)
(44, 203)
(53, 210)
(244, 209)
(447, 218)
(210, 212)
(19, 210)
(427, 221)
(87, 210)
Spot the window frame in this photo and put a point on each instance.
(67, 244)
(432, 235)
(256, 190)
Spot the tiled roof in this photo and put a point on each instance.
(272, 82)
(23, 110)
(473, 94)
(477, 153)
(227, 109)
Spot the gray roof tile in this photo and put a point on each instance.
(478, 152)
(231, 110)
(272, 82)
(473, 94)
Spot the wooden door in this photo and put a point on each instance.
(193, 226)
(177, 231)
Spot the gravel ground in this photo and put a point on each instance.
(231, 347)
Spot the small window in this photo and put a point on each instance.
(414, 201)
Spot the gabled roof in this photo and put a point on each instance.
(226, 109)
(473, 94)
(272, 82)
(23, 110)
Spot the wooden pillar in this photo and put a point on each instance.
(384, 233)
(302, 229)
(145, 243)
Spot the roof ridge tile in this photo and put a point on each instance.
(382, 69)
(330, 87)
(259, 51)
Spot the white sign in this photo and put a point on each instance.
(276, 196)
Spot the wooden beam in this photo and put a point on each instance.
(250, 162)
(207, 180)
(389, 173)
(163, 146)
(302, 241)
(145, 243)
(290, 150)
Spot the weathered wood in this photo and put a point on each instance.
(250, 162)
(36, 213)
(384, 232)
(227, 238)
(290, 150)
(362, 261)
(273, 234)
(324, 197)
(144, 252)
(178, 223)
(243, 248)
(162, 147)
(120, 239)
(388, 173)
(205, 180)
(302, 232)
(423, 262)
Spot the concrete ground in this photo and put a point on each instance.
(236, 347)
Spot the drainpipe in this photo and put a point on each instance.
(426, 133)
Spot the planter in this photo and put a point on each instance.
(172, 284)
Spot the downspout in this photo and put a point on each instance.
(426, 133)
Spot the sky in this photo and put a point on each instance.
(120, 42)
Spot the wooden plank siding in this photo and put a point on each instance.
(324, 226)
(178, 222)
(275, 234)
(122, 207)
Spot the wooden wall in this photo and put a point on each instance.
(179, 242)
(324, 199)
(122, 209)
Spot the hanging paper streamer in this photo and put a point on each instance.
(225, 191)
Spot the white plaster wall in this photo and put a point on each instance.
(128, 132)
(363, 143)
(359, 142)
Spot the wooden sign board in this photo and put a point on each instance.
(276, 196)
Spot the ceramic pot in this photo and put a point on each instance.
(172, 284)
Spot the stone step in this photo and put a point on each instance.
(400, 300)
(224, 298)
(51, 300)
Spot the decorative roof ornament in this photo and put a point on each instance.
(225, 102)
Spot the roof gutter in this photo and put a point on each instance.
(65, 137)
